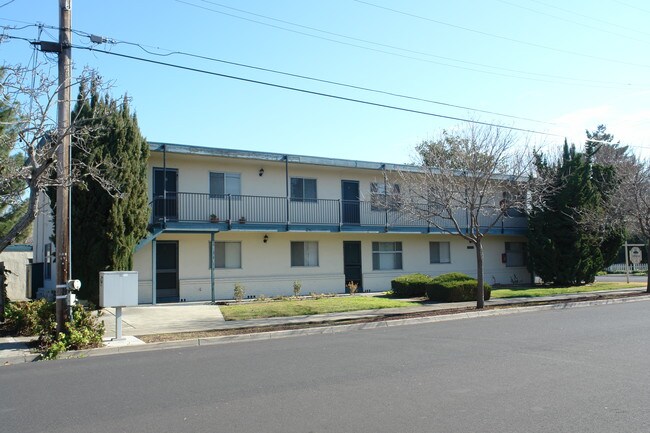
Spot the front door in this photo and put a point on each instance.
(350, 202)
(167, 271)
(165, 203)
(352, 263)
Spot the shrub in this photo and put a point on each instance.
(411, 285)
(455, 287)
(352, 287)
(297, 285)
(82, 331)
(239, 292)
(27, 318)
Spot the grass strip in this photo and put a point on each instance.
(305, 307)
(535, 292)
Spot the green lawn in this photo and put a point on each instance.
(292, 307)
(534, 292)
(303, 307)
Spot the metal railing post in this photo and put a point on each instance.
(229, 211)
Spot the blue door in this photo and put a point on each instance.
(350, 201)
(165, 189)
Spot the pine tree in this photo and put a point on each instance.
(12, 204)
(567, 245)
(106, 227)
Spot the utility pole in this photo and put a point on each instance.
(63, 161)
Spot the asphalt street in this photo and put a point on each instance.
(573, 370)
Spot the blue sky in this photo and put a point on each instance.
(567, 65)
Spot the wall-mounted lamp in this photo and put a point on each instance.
(261, 172)
(266, 238)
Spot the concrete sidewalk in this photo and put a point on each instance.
(189, 317)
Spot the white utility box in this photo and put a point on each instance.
(118, 289)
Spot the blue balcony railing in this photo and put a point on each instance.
(240, 209)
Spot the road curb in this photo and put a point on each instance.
(333, 329)
(324, 329)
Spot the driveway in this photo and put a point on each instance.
(158, 319)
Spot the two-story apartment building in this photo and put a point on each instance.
(265, 220)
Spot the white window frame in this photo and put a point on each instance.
(310, 256)
(395, 252)
(441, 260)
(228, 246)
(302, 198)
(382, 200)
(229, 187)
(512, 254)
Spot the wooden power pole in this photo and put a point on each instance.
(63, 161)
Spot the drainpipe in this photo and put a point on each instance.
(153, 272)
(286, 184)
(212, 265)
(164, 185)
(383, 168)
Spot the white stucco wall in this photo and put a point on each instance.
(16, 262)
(266, 267)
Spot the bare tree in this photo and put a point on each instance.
(636, 194)
(468, 181)
(32, 95)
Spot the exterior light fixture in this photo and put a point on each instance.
(266, 238)
(261, 172)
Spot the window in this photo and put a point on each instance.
(515, 254)
(439, 252)
(303, 189)
(304, 253)
(227, 255)
(510, 206)
(47, 258)
(225, 183)
(386, 255)
(384, 196)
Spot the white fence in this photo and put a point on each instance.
(620, 267)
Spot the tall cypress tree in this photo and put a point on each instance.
(108, 222)
(12, 203)
(566, 246)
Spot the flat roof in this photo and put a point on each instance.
(185, 149)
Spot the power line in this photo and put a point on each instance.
(577, 81)
(590, 18)
(599, 29)
(311, 92)
(505, 38)
(335, 83)
(632, 6)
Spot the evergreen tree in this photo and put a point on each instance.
(12, 203)
(568, 243)
(106, 227)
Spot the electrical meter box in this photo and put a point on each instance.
(118, 289)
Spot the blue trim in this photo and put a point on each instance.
(22, 248)
(207, 228)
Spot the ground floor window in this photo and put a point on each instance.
(226, 255)
(386, 255)
(439, 252)
(304, 253)
(515, 254)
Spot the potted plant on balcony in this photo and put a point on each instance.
(242, 220)
(214, 218)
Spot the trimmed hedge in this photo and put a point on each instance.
(455, 287)
(411, 285)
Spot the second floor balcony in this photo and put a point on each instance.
(246, 212)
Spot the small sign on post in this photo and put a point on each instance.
(635, 255)
(118, 289)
